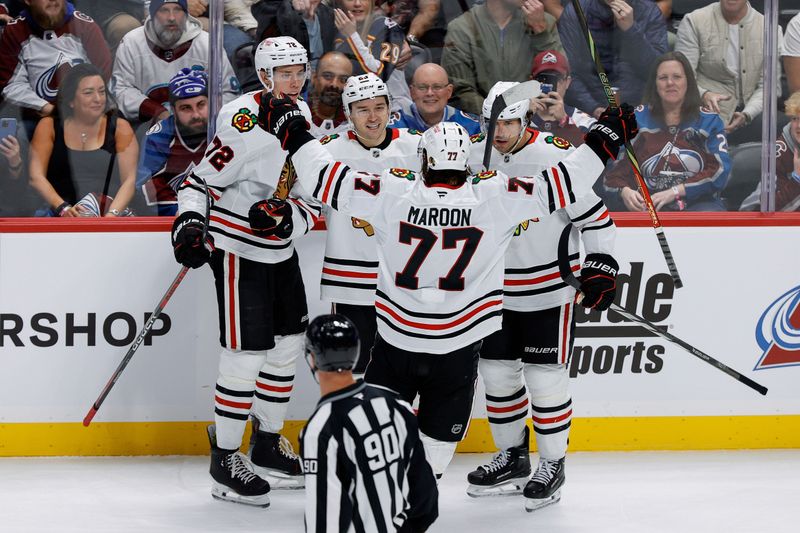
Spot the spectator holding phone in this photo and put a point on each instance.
(15, 195)
(550, 113)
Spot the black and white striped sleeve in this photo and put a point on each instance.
(327, 503)
(598, 231)
(334, 183)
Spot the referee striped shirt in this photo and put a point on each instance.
(364, 465)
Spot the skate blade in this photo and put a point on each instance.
(512, 487)
(532, 505)
(280, 480)
(223, 493)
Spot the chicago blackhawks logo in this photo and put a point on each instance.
(558, 142)
(329, 138)
(285, 182)
(524, 226)
(244, 121)
(363, 224)
(402, 173)
(484, 176)
(478, 137)
(414, 132)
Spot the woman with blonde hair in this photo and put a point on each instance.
(787, 167)
(79, 155)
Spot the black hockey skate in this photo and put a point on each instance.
(233, 476)
(274, 459)
(505, 475)
(544, 488)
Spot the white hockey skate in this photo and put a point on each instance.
(544, 488)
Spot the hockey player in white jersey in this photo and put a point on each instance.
(442, 235)
(534, 345)
(260, 294)
(350, 267)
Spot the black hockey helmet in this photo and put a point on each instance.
(333, 341)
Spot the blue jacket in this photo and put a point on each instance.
(626, 56)
(412, 120)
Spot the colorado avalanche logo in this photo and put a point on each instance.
(47, 84)
(778, 332)
(672, 166)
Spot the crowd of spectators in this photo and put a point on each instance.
(439, 60)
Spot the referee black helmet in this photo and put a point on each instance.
(333, 341)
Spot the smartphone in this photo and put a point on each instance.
(8, 127)
(546, 87)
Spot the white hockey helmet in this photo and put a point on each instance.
(275, 52)
(518, 110)
(363, 87)
(445, 146)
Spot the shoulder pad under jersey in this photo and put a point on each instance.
(403, 173)
(485, 175)
(478, 137)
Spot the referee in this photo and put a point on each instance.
(364, 464)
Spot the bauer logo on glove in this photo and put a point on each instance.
(598, 281)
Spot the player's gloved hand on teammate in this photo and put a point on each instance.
(187, 240)
(282, 118)
(615, 127)
(598, 281)
(271, 217)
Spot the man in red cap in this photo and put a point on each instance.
(550, 113)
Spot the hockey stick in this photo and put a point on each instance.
(512, 95)
(570, 279)
(146, 329)
(612, 101)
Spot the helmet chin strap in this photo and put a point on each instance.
(519, 138)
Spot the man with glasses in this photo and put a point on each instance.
(430, 91)
(325, 96)
(550, 113)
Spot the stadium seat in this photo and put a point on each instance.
(745, 174)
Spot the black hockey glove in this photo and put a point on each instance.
(615, 127)
(283, 119)
(187, 240)
(598, 281)
(271, 217)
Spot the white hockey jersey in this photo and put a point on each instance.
(532, 281)
(350, 268)
(244, 165)
(441, 248)
(140, 80)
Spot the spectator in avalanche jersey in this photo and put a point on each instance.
(787, 150)
(682, 148)
(430, 91)
(550, 113)
(176, 142)
(149, 56)
(40, 47)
